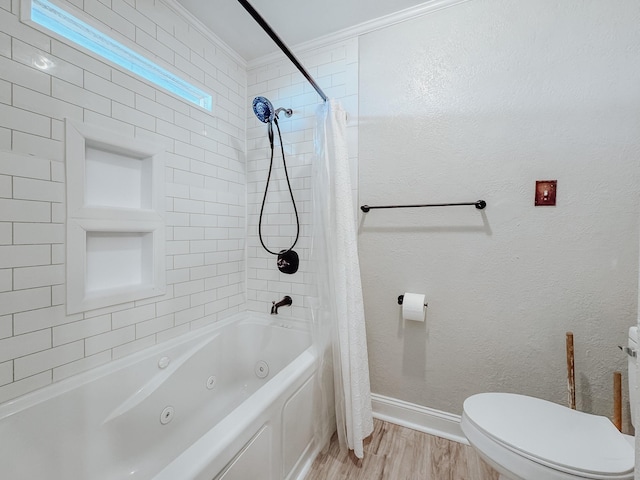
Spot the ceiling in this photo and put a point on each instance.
(295, 21)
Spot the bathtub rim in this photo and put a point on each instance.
(55, 389)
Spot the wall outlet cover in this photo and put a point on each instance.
(546, 193)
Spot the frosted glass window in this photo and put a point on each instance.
(64, 24)
(116, 180)
(118, 260)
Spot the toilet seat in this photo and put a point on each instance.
(577, 444)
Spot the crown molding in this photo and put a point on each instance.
(204, 30)
(425, 8)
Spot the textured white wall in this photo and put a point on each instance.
(479, 101)
(205, 188)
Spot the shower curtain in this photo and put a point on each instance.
(338, 312)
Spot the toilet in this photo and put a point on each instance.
(526, 438)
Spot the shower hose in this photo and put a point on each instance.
(266, 189)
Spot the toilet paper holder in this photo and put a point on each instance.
(401, 299)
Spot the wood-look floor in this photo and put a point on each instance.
(398, 453)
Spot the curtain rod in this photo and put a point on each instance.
(269, 31)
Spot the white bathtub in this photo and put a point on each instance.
(192, 408)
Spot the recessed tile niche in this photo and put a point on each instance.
(115, 218)
(116, 179)
(117, 259)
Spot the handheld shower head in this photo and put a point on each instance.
(263, 109)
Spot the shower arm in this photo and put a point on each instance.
(287, 112)
(269, 31)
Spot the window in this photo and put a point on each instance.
(46, 14)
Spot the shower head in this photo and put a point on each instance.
(265, 112)
(263, 109)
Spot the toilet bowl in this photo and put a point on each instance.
(527, 438)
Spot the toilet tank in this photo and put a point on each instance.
(632, 371)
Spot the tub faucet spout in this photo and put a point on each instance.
(285, 302)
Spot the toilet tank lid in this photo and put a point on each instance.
(551, 434)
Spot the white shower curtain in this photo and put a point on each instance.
(339, 309)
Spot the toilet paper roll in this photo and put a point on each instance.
(413, 307)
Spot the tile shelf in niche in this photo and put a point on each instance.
(116, 179)
(117, 260)
(115, 218)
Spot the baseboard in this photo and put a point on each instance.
(417, 417)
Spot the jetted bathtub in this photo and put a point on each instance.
(231, 401)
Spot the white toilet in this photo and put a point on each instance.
(526, 438)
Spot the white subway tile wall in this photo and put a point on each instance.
(205, 188)
(335, 69)
(212, 197)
